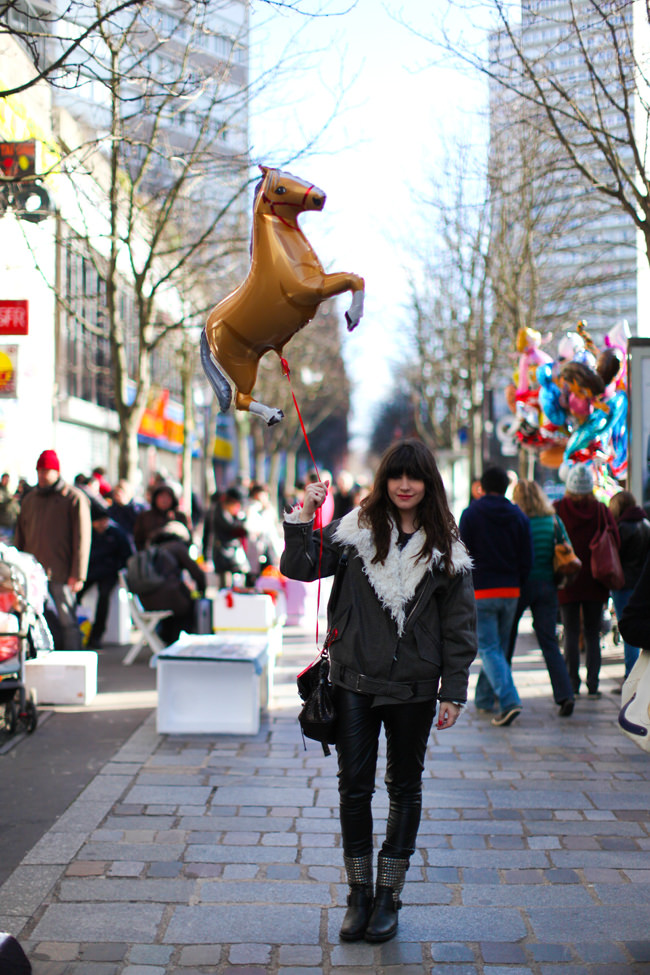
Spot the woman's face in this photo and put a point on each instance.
(405, 492)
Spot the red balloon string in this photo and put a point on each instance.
(287, 372)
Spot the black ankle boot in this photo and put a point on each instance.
(359, 871)
(382, 925)
(357, 915)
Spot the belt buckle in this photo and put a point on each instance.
(359, 679)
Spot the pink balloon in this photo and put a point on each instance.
(578, 405)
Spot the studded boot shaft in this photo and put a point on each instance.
(391, 874)
(359, 871)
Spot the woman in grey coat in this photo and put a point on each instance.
(402, 636)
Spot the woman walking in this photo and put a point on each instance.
(539, 591)
(582, 514)
(403, 636)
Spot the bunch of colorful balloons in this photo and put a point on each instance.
(573, 409)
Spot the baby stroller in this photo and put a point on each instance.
(23, 634)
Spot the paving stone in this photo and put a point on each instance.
(26, 889)
(452, 952)
(502, 953)
(98, 922)
(150, 954)
(126, 889)
(550, 952)
(201, 955)
(261, 892)
(549, 924)
(124, 868)
(284, 871)
(242, 923)
(53, 951)
(640, 950)
(291, 955)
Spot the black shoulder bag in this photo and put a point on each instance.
(318, 714)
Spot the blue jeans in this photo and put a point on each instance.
(541, 596)
(494, 619)
(620, 598)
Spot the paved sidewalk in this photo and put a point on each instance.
(194, 854)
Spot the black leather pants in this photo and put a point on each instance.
(407, 728)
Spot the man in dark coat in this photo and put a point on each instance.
(54, 526)
(498, 537)
(109, 550)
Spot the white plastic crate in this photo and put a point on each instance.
(213, 684)
(63, 677)
(243, 611)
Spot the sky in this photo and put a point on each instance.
(372, 161)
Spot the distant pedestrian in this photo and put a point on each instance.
(54, 526)
(124, 508)
(497, 534)
(539, 591)
(224, 533)
(634, 622)
(582, 602)
(173, 561)
(634, 531)
(9, 509)
(109, 550)
(164, 508)
(344, 493)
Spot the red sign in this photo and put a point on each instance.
(14, 317)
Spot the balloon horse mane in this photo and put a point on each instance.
(285, 285)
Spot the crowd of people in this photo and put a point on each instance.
(85, 532)
(514, 571)
(416, 597)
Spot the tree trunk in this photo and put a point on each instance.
(127, 440)
(290, 474)
(242, 425)
(274, 475)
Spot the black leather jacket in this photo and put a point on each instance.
(404, 631)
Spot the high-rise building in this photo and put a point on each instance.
(583, 254)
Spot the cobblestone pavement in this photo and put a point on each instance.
(221, 854)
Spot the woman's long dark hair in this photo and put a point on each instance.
(413, 458)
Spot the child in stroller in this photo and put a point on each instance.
(23, 633)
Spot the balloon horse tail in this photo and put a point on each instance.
(284, 287)
(215, 377)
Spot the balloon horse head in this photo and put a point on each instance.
(281, 294)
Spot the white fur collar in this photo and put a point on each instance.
(396, 580)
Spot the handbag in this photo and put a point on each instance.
(605, 561)
(634, 716)
(318, 715)
(566, 564)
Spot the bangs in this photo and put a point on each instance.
(405, 461)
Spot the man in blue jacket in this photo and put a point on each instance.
(498, 537)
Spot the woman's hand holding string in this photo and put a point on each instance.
(315, 495)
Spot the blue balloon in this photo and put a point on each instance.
(600, 425)
(549, 395)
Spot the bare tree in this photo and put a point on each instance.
(54, 34)
(581, 67)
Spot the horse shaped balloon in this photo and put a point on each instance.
(285, 285)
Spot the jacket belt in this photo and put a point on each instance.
(340, 674)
